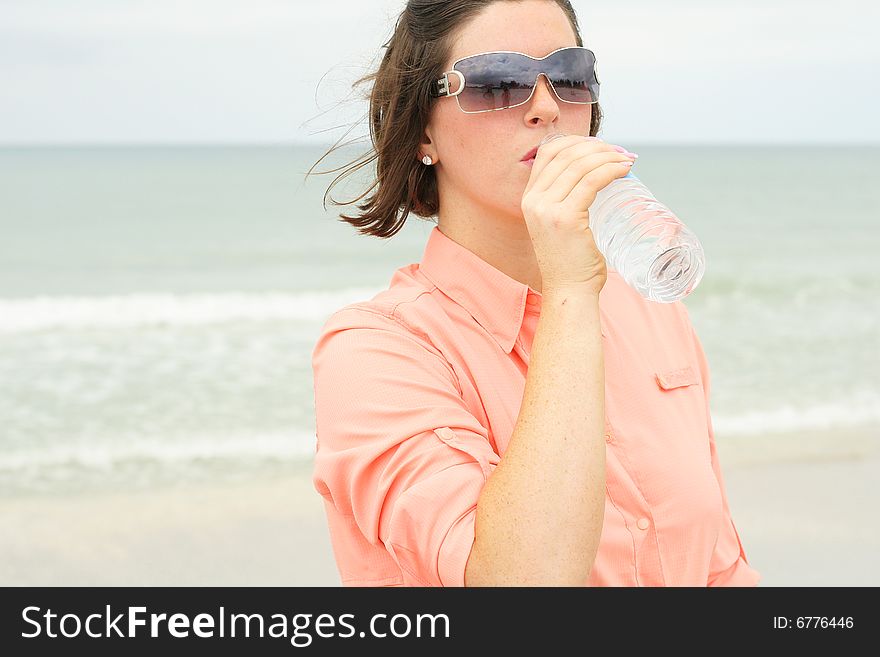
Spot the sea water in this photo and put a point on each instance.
(159, 305)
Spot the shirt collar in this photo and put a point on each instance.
(495, 300)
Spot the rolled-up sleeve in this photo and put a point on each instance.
(728, 565)
(398, 451)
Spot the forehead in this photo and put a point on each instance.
(533, 27)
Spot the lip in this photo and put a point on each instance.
(530, 155)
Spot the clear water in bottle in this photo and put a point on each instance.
(654, 252)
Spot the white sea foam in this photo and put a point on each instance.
(144, 310)
(859, 409)
(863, 409)
(242, 452)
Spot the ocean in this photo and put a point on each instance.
(159, 305)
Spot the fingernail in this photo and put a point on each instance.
(632, 155)
(620, 149)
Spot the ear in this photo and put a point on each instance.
(426, 146)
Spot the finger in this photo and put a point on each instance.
(546, 153)
(577, 170)
(549, 166)
(584, 192)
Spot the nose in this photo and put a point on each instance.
(544, 103)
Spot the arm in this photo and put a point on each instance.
(540, 515)
(399, 453)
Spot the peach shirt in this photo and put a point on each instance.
(417, 393)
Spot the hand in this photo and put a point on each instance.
(566, 176)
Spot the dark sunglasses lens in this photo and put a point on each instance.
(499, 80)
(573, 74)
(495, 81)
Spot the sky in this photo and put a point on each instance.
(280, 71)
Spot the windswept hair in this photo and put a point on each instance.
(399, 111)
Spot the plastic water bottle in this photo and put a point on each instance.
(654, 252)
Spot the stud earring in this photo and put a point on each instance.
(427, 161)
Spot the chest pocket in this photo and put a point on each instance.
(682, 388)
(678, 377)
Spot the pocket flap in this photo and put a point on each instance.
(678, 377)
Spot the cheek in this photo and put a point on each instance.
(482, 154)
(584, 117)
(479, 149)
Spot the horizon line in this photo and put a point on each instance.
(316, 144)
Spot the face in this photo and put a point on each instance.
(478, 156)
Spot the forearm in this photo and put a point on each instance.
(540, 514)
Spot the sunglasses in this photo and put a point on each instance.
(500, 80)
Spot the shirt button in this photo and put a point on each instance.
(643, 523)
(608, 437)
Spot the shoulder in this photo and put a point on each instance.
(408, 311)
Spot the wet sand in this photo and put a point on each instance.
(808, 520)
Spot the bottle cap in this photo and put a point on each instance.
(551, 137)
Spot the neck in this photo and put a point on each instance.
(502, 240)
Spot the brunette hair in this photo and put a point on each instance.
(399, 110)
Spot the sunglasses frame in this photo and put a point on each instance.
(440, 88)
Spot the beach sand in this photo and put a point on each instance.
(807, 520)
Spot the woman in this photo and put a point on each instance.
(509, 411)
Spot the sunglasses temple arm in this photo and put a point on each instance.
(443, 84)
